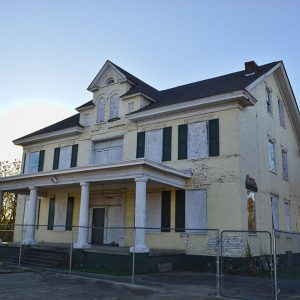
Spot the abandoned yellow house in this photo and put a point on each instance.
(218, 153)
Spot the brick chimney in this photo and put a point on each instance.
(250, 67)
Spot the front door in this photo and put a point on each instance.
(98, 226)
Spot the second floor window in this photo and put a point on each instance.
(65, 157)
(34, 162)
(281, 112)
(101, 110)
(107, 152)
(114, 107)
(272, 156)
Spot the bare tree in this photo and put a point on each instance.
(9, 204)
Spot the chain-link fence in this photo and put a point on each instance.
(288, 260)
(247, 262)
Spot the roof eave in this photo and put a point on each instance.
(241, 96)
(49, 135)
(138, 94)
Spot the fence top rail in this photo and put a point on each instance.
(246, 231)
(286, 232)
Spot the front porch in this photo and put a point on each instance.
(106, 203)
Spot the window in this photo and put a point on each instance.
(69, 218)
(114, 107)
(281, 112)
(269, 100)
(65, 157)
(275, 213)
(155, 144)
(130, 107)
(287, 213)
(101, 110)
(285, 167)
(272, 156)
(34, 162)
(251, 211)
(86, 120)
(109, 151)
(51, 214)
(110, 81)
(198, 140)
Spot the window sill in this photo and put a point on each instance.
(113, 119)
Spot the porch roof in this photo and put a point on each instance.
(132, 169)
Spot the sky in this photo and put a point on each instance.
(50, 51)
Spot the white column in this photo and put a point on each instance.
(1, 202)
(82, 241)
(140, 215)
(31, 219)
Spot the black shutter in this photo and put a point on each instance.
(51, 214)
(41, 161)
(182, 141)
(213, 131)
(24, 163)
(74, 156)
(70, 208)
(180, 211)
(140, 146)
(167, 143)
(56, 158)
(165, 211)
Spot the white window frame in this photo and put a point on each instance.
(272, 155)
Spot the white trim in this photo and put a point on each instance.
(138, 94)
(186, 105)
(50, 135)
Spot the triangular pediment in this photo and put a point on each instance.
(106, 73)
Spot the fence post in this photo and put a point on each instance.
(276, 290)
(218, 264)
(133, 257)
(71, 252)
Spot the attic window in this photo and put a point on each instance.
(110, 81)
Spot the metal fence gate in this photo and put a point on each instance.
(247, 265)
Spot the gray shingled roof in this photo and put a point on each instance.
(64, 124)
(87, 104)
(197, 90)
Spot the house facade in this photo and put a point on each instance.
(219, 153)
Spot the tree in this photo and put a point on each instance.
(9, 204)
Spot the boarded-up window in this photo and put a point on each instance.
(153, 145)
(251, 211)
(272, 157)
(130, 107)
(281, 112)
(197, 140)
(195, 210)
(107, 152)
(65, 157)
(101, 110)
(86, 120)
(153, 220)
(285, 167)
(34, 162)
(275, 213)
(60, 214)
(114, 107)
(287, 213)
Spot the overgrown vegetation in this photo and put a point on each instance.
(9, 204)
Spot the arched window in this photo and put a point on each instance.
(110, 81)
(101, 110)
(114, 107)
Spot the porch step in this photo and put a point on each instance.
(43, 257)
